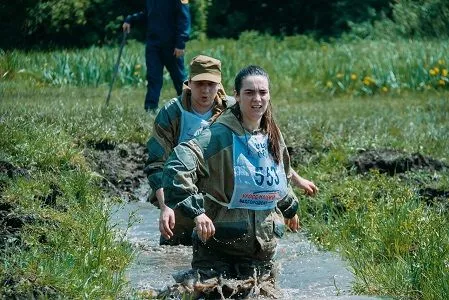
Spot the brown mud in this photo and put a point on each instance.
(393, 162)
(12, 220)
(121, 167)
(399, 163)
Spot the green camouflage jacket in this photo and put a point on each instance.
(199, 174)
(166, 131)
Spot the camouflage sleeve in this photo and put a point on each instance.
(182, 170)
(161, 143)
(289, 204)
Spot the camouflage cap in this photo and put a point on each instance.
(203, 67)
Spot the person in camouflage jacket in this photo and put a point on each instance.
(202, 100)
(232, 180)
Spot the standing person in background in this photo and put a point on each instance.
(232, 180)
(202, 101)
(167, 31)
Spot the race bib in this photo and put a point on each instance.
(258, 181)
(191, 125)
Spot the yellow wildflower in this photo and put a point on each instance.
(384, 89)
(437, 70)
(444, 72)
(441, 62)
(367, 80)
(340, 75)
(432, 72)
(329, 84)
(353, 76)
(441, 82)
(138, 67)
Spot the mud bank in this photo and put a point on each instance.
(122, 167)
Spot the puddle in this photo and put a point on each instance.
(305, 272)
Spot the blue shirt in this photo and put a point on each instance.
(168, 22)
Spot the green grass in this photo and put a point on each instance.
(299, 65)
(395, 243)
(66, 246)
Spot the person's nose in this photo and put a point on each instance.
(206, 88)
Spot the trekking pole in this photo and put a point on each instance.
(114, 74)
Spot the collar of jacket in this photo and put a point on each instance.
(230, 120)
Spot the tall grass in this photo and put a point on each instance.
(395, 242)
(297, 64)
(67, 247)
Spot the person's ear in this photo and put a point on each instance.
(236, 96)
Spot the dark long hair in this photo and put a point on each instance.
(267, 123)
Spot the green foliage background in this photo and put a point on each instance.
(75, 23)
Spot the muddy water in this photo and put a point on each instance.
(305, 272)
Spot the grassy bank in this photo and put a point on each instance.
(56, 238)
(394, 238)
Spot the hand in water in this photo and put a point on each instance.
(204, 227)
(166, 222)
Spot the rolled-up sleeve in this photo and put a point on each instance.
(159, 147)
(289, 204)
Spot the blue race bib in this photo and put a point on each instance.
(258, 181)
(191, 125)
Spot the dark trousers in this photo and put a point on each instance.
(182, 233)
(212, 262)
(158, 57)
